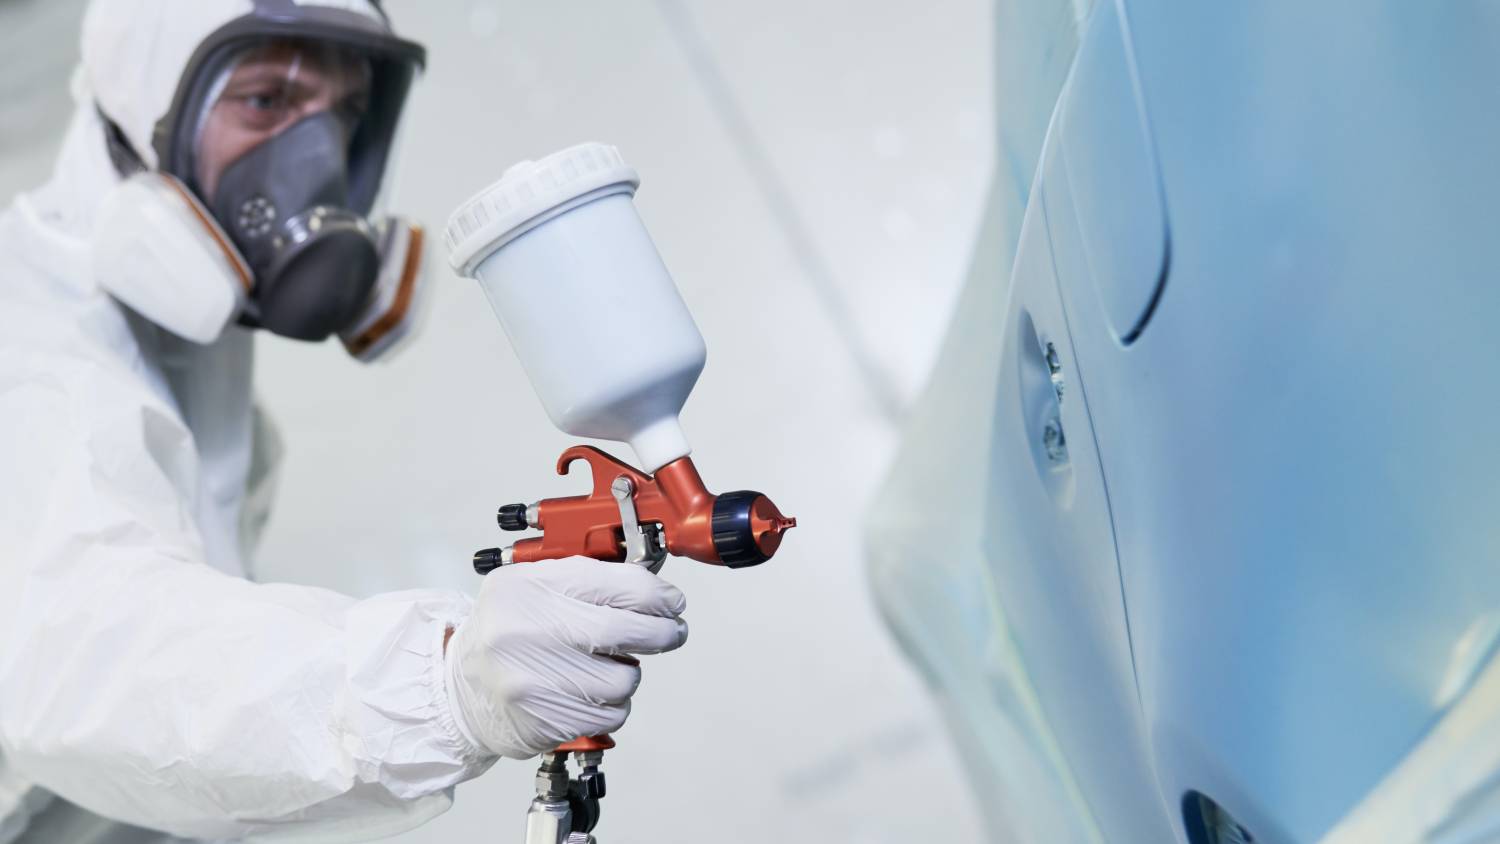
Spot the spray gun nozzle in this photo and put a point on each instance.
(767, 525)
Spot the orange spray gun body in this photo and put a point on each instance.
(672, 510)
(633, 517)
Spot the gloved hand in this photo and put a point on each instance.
(531, 667)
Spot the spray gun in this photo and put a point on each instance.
(612, 352)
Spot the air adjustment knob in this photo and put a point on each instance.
(512, 517)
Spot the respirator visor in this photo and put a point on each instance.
(286, 137)
(257, 75)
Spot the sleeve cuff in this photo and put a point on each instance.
(403, 732)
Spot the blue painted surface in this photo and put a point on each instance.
(1277, 517)
(1102, 133)
(1299, 447)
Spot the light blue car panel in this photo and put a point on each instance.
(1101, 133)
(1298, 447)
(1295, 454)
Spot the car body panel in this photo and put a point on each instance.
(1294, 476)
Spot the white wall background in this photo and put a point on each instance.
(813, 175)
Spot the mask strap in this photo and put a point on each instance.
(121, 154)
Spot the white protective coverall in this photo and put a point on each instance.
(142, 676)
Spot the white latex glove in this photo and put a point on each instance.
(531, 667)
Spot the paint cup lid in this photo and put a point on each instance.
(529, 194)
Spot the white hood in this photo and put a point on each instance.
(133, 78)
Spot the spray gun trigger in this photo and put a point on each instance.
(643, 543)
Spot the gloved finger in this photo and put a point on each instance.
(611, 681)
(619, 585)
(564, 719)
(571, 718)
(602, 680)
(612, 632)
(606, 719)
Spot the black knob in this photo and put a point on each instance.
(592, 780)
(487, 560)
(512, 517)
(733, 538)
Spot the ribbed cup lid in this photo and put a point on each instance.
(530, 193)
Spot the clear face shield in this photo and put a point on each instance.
(287, 141)
(264, 90)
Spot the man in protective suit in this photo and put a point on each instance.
(222, 175)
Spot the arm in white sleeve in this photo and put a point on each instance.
(143, 685)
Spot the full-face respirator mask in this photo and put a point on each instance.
(271, 179)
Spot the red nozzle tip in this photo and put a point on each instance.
(767, 525)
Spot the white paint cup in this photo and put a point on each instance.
(584, 297)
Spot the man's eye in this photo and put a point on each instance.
(266, 102)
(257, 110)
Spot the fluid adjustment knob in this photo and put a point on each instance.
(512, 517)
(487, 560)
